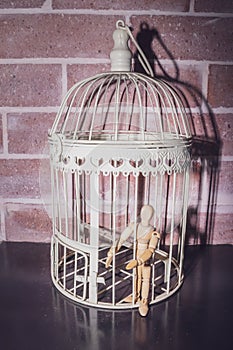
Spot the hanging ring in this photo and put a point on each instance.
(120, 24)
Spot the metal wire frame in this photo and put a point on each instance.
(95, 107)
(72, 281)
(124, 112)
(73, 239)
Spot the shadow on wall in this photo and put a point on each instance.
(206, 142)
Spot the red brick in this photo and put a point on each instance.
(220, 86)
(27, 132)
(187, 78)
(56, 35)
(30, 85)
(173, 37)
(1, 135)
(225, 126)
(220, 232)
(76, 73)
(19, 178)
(223, 229)
(205, 127)
(27, 222)
(213, 6)
(186, 73)
(225, 186)
(21, 3)
(204, 183)
(167, 5)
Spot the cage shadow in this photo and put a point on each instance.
(206, 141)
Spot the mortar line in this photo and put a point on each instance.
(44, 109)
(4, 133)
(21, 200)
(91, 61)
(54, 60)
(23, 156)
(110, 12)
(64, 79)
(205, 80)
(3, 223)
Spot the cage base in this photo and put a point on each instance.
(70, 268)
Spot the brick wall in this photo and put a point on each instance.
(48, 45)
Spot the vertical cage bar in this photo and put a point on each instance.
(160, 200)
(94, 236)
(85, 276)
(135, 234)
(73, 211)
(83, 203)
(58, 201)
(126, 200)
(146, 189)
(56, 258)
(64, 267)
(185, 207)
(172, 232)
(110, 187)
(181, 225)
(78, 208)
(75, 272)
(114, 238)
(155, 178)
(117, 108)
(66, 204)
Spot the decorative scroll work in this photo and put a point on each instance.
(118, 160)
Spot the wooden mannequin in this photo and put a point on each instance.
(147, 240)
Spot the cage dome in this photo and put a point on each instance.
(123, 110)
(120, 141)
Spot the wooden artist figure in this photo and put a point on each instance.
(146, 242)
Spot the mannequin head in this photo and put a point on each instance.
(146, 214)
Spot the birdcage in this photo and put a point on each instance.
(120, 159)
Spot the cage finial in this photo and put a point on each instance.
(120, 55)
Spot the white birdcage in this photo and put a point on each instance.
(120, 142)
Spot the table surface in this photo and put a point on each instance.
(34, 315)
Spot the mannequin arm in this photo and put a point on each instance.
(115, 248)
(111, 251)
(147, 254)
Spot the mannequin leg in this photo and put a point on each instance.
(137, 287)
(138, 284)
(145, 288)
